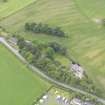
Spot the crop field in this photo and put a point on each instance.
(18, 85)
(86, 38)
(10, 6)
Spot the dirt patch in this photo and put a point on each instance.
(98, 21)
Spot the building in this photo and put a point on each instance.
(77, 70)
(88, 103)
(76, 101)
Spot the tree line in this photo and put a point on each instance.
(44, 28)
(42, 56)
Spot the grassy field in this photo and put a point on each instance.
(92, 8)
(11, 6)
(18, 85)
(85, 38)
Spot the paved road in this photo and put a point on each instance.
(34, 69)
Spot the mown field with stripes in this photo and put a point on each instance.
(85, 40)
(8, 7)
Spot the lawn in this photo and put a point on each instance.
(18, 85)
(11, 6)
(85, 40)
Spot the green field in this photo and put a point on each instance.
(18, 85)
(11, 6)
(76, 17)
(92, 8)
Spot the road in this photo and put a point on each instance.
(36, 70)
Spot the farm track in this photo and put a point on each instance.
(36, 70)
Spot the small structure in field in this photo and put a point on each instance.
(77, 70)
(76, 101)
(66, 101)
(58, 97)
(88, 103)
(41, 101)
(45, 97)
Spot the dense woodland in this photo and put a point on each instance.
(42, 56)
(44, 28)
